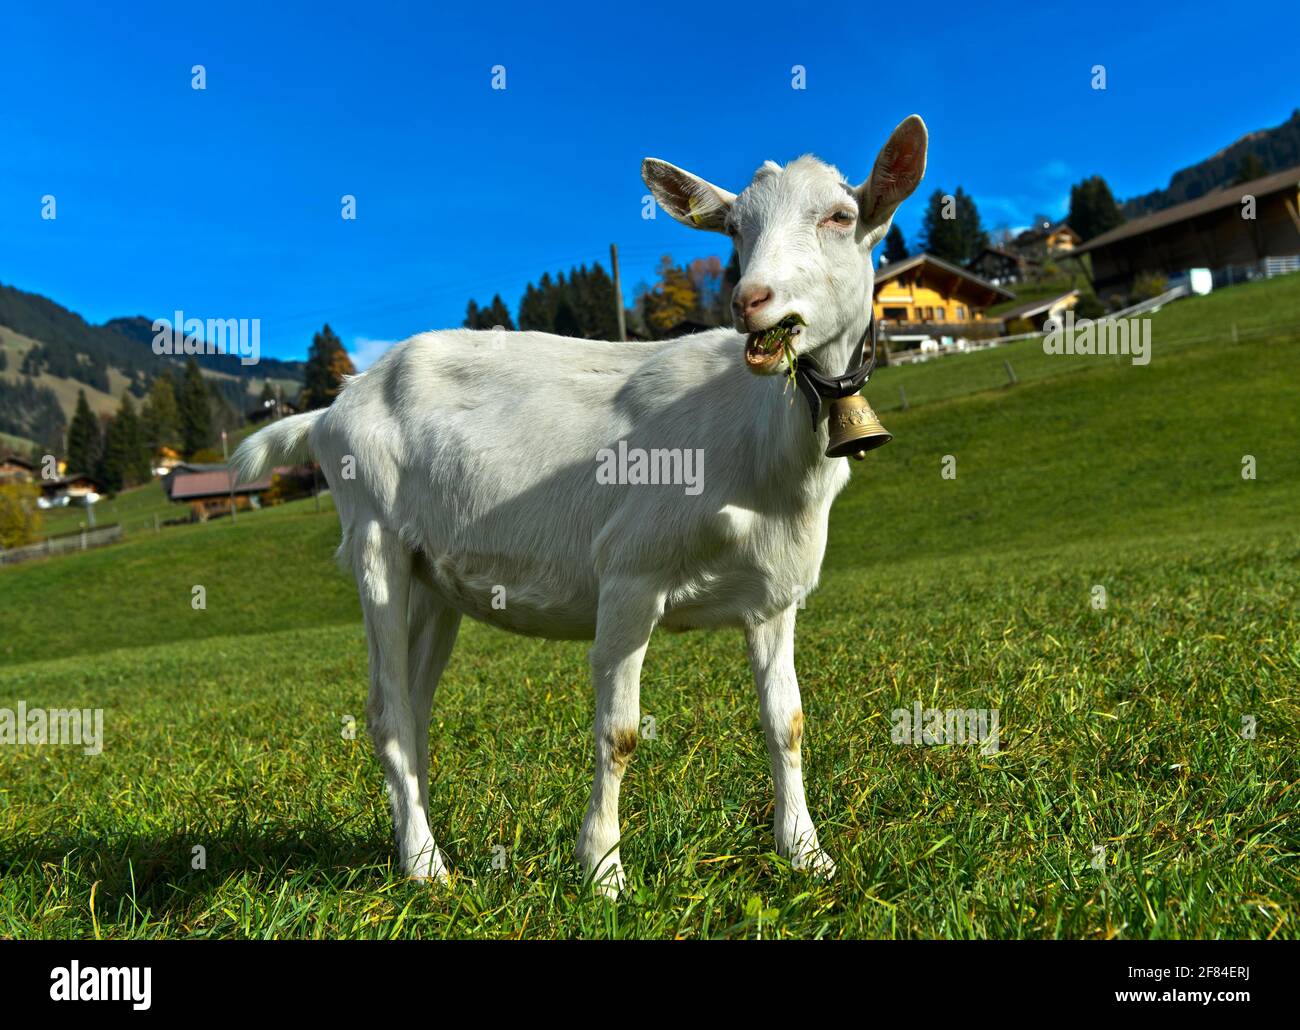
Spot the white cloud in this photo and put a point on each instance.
(1055, 170)
(365, 351)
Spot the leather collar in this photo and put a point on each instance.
(816, 385)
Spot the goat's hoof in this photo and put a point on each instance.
(426, 867)
(815, 862)
(608, 881)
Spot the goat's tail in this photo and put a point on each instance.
(281, 443)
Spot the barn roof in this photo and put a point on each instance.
(896, 268)
(1228, 196)
(1036, 307)
(189, 486)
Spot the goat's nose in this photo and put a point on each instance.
(751, 299)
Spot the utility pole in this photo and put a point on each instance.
(225, 453)
(618, 292)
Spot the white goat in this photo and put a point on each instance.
(467, 470)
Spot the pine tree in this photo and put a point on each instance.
(195, 413)
(160, 416)
(497, 314)
(1093, 210)
(125, 461)
(472, 316)
(84, 444)
(327, 364)
(1252, 168)
(973, 237)
(895, 245)
(942, 236)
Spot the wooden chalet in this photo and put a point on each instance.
(1049, 240)
(14, 469)
(207, 490)
(1000, 266)
(1211, 231)
(926, 296)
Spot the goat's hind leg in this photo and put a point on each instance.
(383, 570)
(433, 630)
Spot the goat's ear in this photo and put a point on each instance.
(898, 171)
(687, 197)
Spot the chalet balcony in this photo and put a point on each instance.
(972, 330)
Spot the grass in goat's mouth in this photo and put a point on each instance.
(764, 349)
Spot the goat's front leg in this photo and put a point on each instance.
(628, 611)
(771, 655)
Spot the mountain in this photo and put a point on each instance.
(140, 329)
(1275, 149)
(48, 354)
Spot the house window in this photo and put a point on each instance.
(943, 314)
(961, 313)
(895, 314)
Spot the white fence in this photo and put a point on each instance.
(80, 541)
(910, 357)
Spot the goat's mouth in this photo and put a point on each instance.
(764, 349)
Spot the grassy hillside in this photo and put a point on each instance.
(1121, 727)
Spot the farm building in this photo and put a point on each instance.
(73, 488)
(206, 488)
(164, 460)
(1045, 241)
(1000, 266)
(1039, 312)
(1213, 231)
(14, 469)
(924, 295)
(208, 492)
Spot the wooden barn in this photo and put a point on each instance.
(1039, 312)
(1000, 266)
(15, 469)
(208, 492)
(1208, 232)
(925, 294)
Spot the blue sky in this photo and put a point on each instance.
(225, 202)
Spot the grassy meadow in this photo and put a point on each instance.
(1125, 800)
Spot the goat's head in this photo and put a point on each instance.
(803, 236)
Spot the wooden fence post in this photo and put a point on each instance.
(1011, 373)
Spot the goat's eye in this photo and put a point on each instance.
(841, 218)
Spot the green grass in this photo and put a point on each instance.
(1119, 727)
(134, 509)
(1266, 311)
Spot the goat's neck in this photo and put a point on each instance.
(834, 357)
(796, 452)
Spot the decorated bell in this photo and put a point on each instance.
(854, 428)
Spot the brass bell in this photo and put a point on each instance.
(854, 428)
